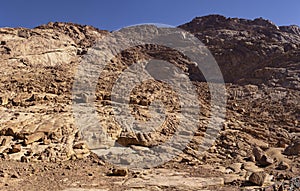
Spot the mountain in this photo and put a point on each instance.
(260, 65)
(250, 51)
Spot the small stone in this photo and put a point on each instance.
(144, 102)
(119, 172)
(258, 153)
(293, 148)
(265, 160)
(24, 159)
(15, 175)
(258, 178)
(261, 158)
(15, 148)
(283, 166)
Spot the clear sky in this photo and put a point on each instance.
(115, 14)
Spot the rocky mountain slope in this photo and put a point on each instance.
(258, 145)
(251, 51)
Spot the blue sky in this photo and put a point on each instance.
(115, 14)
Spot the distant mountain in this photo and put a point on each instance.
(251, 51)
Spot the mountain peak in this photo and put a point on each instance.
(216, 21)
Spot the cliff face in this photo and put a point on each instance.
(259, 62)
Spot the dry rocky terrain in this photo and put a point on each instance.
(257, 148)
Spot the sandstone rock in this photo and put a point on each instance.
(119, 172)
(258, 178)
(265, 160)
(258, 153)
(261, 158)
(34, 137)
(293, 148)
(141, 139)
(16, 148)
